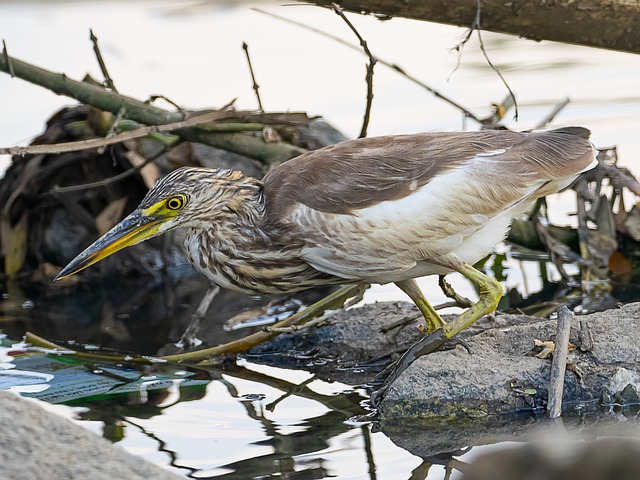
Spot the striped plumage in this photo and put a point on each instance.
(375, 210)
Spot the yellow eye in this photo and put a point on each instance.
(175, 203)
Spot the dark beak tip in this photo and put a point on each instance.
(73, 267)
(63, 274)
(60, 275)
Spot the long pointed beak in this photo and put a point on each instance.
(136, 228)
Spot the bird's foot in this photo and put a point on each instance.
(434, 342)
(429, 344)
(452, 343)
(189, 341)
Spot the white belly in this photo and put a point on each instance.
(458, 214)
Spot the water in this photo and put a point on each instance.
(191, 52)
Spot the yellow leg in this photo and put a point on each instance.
(490, 293)
(433, 321)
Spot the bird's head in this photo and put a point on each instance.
(187, 197)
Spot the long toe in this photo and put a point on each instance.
(429, 344)
(454, 342)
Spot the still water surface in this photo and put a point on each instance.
(252, 422)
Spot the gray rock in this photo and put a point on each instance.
(36, 443)
(502, 376)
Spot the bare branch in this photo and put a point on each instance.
(467, 113)
(369, 77)
(108, 81)
(116, 178)
(475, 25)
(256, 87)
(153, 98)
(553, 113)
(498, 72)
(103, 142)
(559, 364)
(460, 46)
(99, 97)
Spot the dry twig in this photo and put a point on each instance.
(256, 87)
(552, 114)
(103, 142)
(475, 25)
(559, 363)
(393, 66)
(369, 77)
(115, 178)
(108, 81)
(159, 96)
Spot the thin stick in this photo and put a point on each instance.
(188, 337)
(553, 113)
(559, 363)
(476, 23)
(331, 302)
(108, 81)
(498, 72)
(112, 129)
(116, 178)
(369, 77)
(103, 142)
(256, 87)
(460, 46)
(159, 96)
(55, 349)
(467, 113)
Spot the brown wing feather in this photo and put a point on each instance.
(360, 173)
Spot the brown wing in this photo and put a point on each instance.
(357, 174)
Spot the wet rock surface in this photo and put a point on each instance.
(350, 347)
(37, 443)
(500, 377)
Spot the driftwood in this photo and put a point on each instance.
(608, 24)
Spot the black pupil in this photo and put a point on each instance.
(174, 203)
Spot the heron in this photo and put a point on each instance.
(372, 210)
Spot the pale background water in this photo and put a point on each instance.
(191, 52)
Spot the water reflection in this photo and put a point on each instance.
(122, 414)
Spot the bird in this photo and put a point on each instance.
(370, 210)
